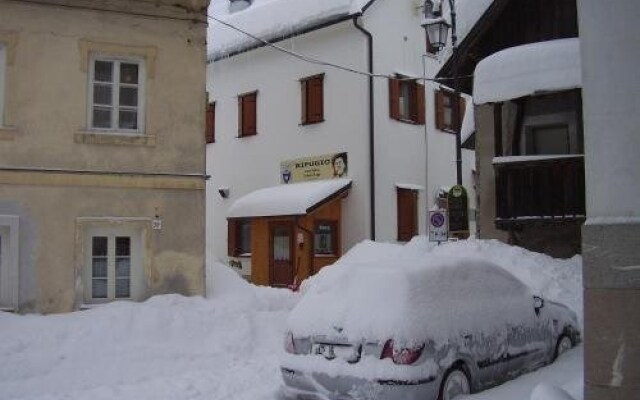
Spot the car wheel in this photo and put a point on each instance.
(455, 383)
(564, 344)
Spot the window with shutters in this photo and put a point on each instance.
(239, 237)
(444, 110)
(211, 123)
(312, 99)
(247, 114)
(406, 100)
(116, 95)
(407, 214)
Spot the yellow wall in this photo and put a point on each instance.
(56, 175)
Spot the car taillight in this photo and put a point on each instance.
(289, 344)
(403, 356)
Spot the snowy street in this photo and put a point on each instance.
(225, 347)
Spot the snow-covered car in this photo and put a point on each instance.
(434, 329)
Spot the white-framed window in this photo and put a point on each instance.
(3, 67)
(113, 266)
(116, 94)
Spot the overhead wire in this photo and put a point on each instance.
(318, 61)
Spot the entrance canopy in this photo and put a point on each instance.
(288, 200)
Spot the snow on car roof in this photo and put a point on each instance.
(525, 70)
(395, 292)
(291, 199)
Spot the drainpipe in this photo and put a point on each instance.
(372, 180)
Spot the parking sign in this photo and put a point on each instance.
(438, 227)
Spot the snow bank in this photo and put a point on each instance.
(547, 392)
(525, 70)
(169, 347)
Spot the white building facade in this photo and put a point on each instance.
(406, 151)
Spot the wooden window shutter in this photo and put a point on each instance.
(440, 110)
(394, 98)
(304, 96)
(420, 104)
(407, 214)
(247, 114)
(232, 238)
(211, 123)
(315, 97)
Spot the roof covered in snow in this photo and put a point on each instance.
(526, 70)
(292, 199)
(273, 19)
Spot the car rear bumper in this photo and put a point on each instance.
(319, 386)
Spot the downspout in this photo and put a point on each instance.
(372, 180)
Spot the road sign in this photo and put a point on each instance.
(438, 226)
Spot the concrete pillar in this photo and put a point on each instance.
(611, 236)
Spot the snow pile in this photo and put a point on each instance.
(413, 294)
(525, 70)
(169, 347)
(292, 199)
(271, 20)
(547, 392)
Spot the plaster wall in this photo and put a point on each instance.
(47, 85)
(610, 51)
(48, 278)
(247, 164)
(250, 163)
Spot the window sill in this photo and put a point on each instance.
(311, 122)
(114, 138)
(407, 121)
(8, 132)
(325, 256)
(244, 135)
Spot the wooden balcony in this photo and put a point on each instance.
(539, 188)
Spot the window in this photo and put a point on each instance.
(312, 99)
(550, 139)
(406, 101)
(117, 95)
(444, 110)
(3, 63)
(113, 265)
(407, 214)
(239, 237)
(325, 239)
(247, 118)
(211, 123)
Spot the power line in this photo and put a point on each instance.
(317, 61)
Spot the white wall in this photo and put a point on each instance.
(610, 56)
(247, 164)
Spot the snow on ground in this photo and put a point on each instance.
(228, 346)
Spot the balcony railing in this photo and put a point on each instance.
(535, 188)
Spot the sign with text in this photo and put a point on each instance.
(438, 226)
(327, 166)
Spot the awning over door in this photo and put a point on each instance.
(288, 200)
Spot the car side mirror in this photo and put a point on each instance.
(538, 303)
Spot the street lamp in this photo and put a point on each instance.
(437, 30)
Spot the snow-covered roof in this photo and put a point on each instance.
(409, 186)
(525, 70)
(292, 199)
(271, 20)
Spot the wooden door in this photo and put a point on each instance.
(281, 253)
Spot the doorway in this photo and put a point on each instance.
(281, 254)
